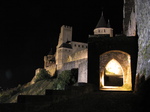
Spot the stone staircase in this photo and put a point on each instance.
(77, 98)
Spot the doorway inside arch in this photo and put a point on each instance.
(113, 74)
(115, 71)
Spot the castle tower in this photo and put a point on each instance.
(64, 48)
(129, 18)
(103, 28)
(65, 35)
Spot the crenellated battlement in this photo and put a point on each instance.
(66, 27)
(65, 34)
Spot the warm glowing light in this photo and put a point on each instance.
(113, 68)
(116, 74)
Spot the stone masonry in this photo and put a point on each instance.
(143, 28)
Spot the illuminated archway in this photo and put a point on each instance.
(115, 71)
(113, 74)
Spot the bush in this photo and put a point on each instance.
(64, 79)
(43, 74)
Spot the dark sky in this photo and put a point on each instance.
(28, 30)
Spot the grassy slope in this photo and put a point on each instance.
(35, 89)
(42, 81)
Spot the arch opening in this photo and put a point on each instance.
(113, 74)
(115, 71)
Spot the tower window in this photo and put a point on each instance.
(78, 45)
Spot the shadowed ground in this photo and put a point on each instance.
(91, 102)
(101, 102)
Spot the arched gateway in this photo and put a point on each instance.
(115, 71)
(112, 59)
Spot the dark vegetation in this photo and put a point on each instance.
(42, 75)
(42, 81)
(66, 78)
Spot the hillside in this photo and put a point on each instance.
(39, 97)
(10, 96)
(81, 98)
(38, 85)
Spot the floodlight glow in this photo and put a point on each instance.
(113, 68)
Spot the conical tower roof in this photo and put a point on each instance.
(101, 22)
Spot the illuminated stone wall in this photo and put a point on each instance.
(51, 69)
(81, 65)
(82, 75)
(78, 46)
(143, 29)
(129, 21)
(78, 55)
(71, 65)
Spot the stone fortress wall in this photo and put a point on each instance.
(142, 8)
(137, 20)
(81, 65)
(129, 19)
(72, 65)
(78, 55)
(83, 71)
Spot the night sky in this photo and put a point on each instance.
(28, 30)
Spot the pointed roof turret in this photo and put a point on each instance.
(101, 22)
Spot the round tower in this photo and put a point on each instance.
(103, 28)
